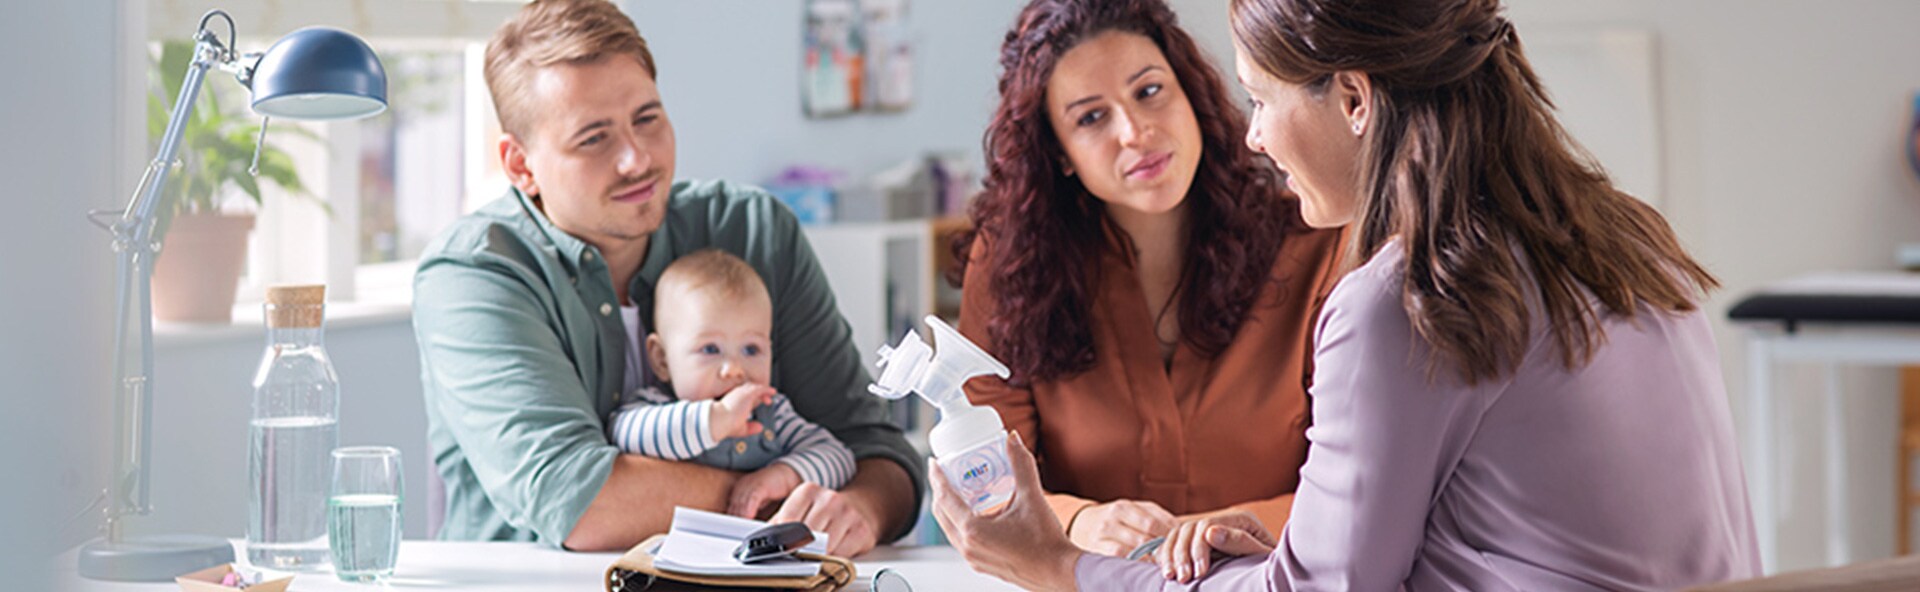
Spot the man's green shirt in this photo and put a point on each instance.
(523, 353)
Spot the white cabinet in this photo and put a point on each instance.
(882, 277)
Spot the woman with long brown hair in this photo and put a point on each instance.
(1143, 275)
(1514, 389)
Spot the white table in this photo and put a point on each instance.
(528, 567)
(1853, 341)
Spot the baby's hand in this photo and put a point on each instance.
(760, 489)
(732, 415)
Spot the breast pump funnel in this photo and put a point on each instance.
(969, 443)
(936, 374)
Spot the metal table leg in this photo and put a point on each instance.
(1839, 535)
(1760, 448)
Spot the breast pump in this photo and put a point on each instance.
(969, 443)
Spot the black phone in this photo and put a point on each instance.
(776, 540)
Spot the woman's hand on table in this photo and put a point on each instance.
(1117, 527)
(1188, 553)
(1022, 543)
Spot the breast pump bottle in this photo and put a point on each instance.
(969, 443)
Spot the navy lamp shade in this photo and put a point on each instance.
(319, 73)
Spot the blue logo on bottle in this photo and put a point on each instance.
(979, 470)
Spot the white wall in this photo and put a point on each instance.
(59, 160)
(730, 80)
(1783, 122)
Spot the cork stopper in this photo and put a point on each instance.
(296, 307)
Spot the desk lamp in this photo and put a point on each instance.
(315, 73)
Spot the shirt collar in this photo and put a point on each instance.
(660, 252)
(570, 248)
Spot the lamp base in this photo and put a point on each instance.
(155, 558)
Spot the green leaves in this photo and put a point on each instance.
(217, 144)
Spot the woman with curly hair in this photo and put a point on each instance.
(1515, 389)
(1144, 275)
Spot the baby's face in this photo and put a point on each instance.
(713, 343)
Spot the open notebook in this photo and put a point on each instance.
(702, 543)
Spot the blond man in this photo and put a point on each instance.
(522, 311)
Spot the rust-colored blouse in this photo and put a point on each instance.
(1196, 435)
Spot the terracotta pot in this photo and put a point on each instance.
(198, 271)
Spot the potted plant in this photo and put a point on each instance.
(198, 270)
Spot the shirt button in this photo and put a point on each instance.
(769, 435)
(740, 447)
(606, 309)
(588, 255)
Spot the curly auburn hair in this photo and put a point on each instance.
(1044, 231)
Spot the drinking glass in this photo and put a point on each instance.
(363, 512)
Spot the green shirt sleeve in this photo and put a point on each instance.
(500, 384)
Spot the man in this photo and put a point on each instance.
(525, 311)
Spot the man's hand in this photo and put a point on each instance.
(732, 415)
(759, 488)
(850, 531)
(1116, 527)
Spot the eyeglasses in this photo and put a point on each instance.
(1146, 548)
(887, 580)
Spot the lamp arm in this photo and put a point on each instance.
(136, 242)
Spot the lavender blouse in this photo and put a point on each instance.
(1620, 475)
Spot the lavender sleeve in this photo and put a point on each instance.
(1384, 440)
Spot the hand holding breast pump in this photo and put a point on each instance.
(969, 442)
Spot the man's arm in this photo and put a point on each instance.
(497, 381)
(638, 497)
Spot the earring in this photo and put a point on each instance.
(1358, 127)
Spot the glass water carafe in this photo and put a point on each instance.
(295, 427)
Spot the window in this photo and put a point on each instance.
(425, 162)
(391, 182)
(410, 156)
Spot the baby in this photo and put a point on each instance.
(711, 345)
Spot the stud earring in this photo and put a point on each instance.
(1358, 127)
